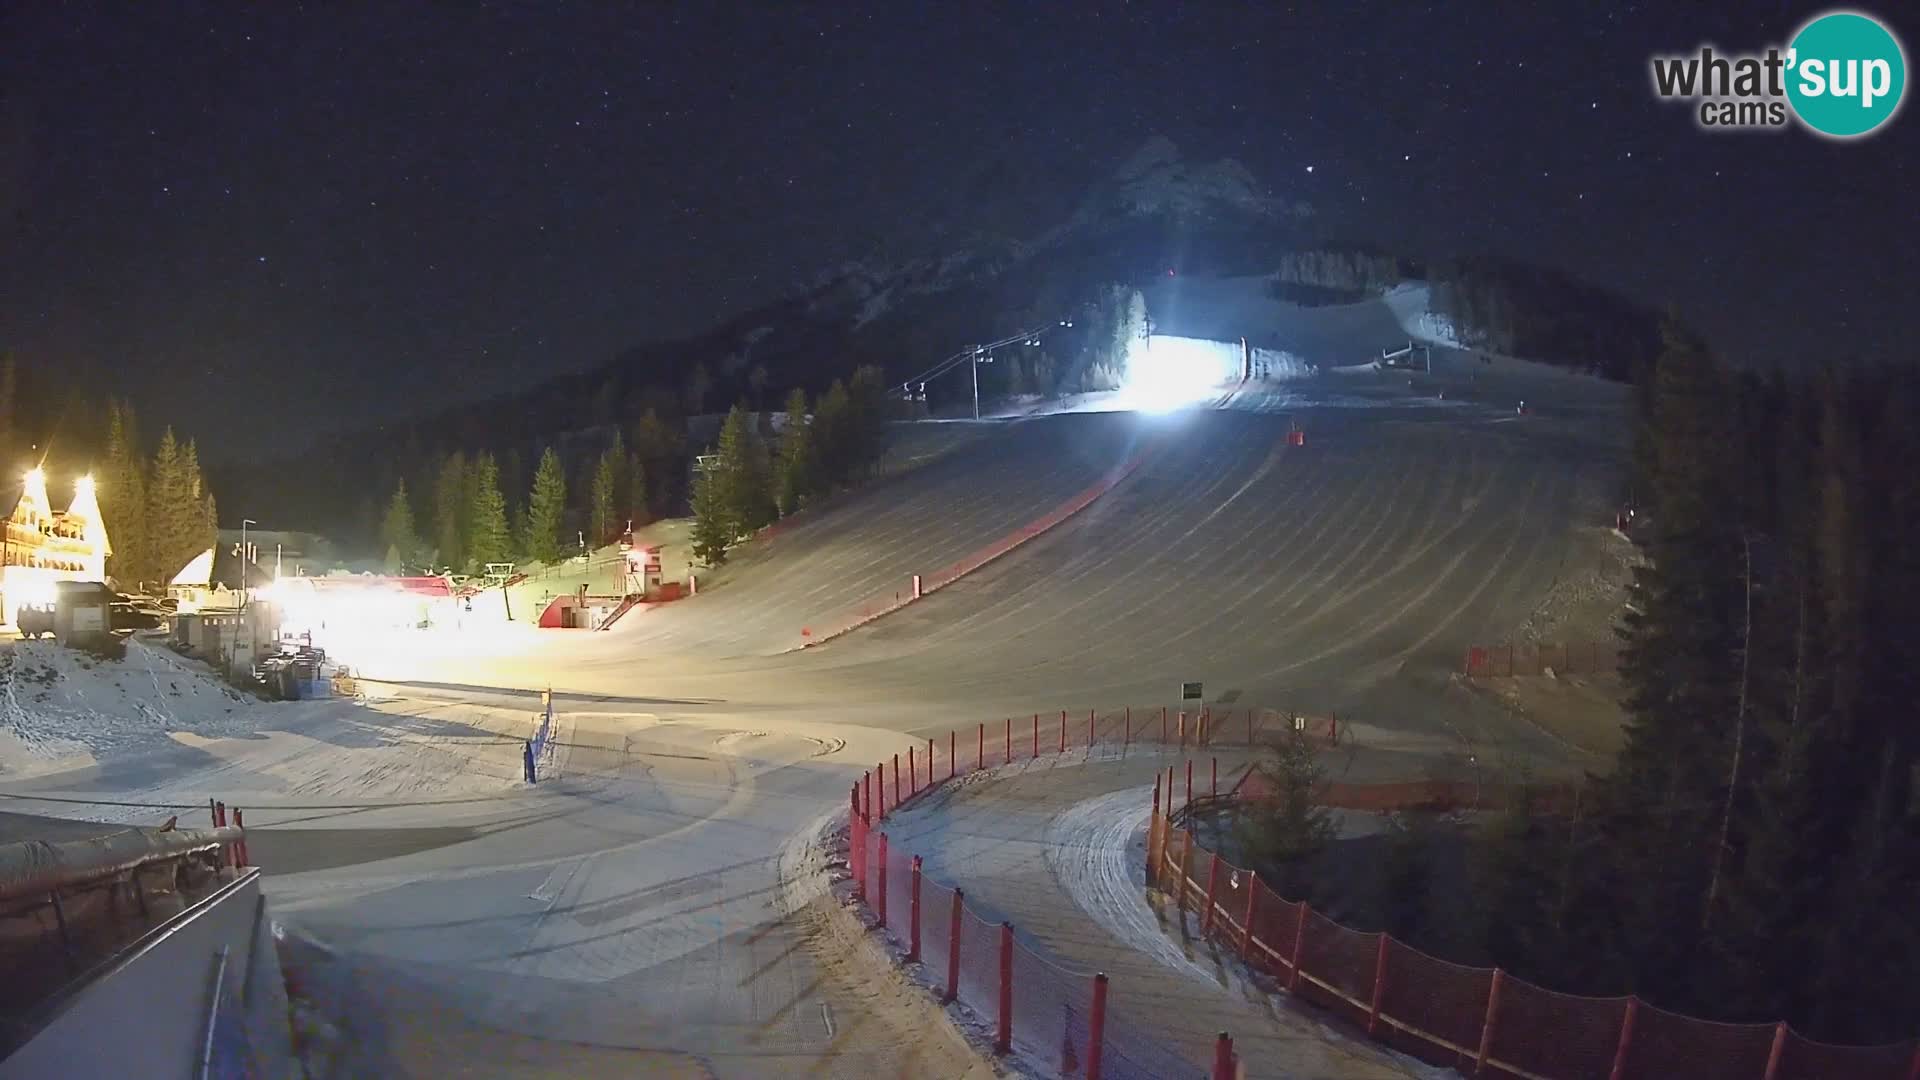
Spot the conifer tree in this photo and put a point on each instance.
(397, 531)
(636, 498)
(451, 505)
(123, 497)
(794, 482)
(714, 528)
(604, 498)
(546, 510)
(490, 541)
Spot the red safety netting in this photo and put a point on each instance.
(1052, 1010)
(1342, 959)
(1429, 1007)
(1447, 1002)
(857, 850)
(1275, 924)
(1230, 891)
(899, 892)
(1558, 1035)
(936, 929)
(1127, 1053)
(1803, 1059)
(980, 965)
(1668, 1044)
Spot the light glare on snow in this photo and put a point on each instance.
(1166, 373)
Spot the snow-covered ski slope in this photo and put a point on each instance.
(1335, 335)
(864, 547)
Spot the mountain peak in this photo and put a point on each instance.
(1157, 180)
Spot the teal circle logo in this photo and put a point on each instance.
(1846, 74)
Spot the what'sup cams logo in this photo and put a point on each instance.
(1842, 76)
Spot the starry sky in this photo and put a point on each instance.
(264, 221)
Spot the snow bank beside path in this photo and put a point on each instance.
(59, 706)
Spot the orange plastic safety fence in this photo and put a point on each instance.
(1803, 1059)
(1337, 965)
(1443, 1001)
(1667, 1044)
(1559, 1035)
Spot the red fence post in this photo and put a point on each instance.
(1333, 729)
(913, 914)
(1126, 728)
(1379, 984)
(1009, 740)
(881, 905)
(930, 749)
(980, 751)
(1299, 939)
(1097, 1025)
(220, 815)
(240, 846)
(1003, 1035)
(1223, 1057)
(1626, 1040)
(1186, 872)
(1090, 733)
(1063, 731)
(1152, 824)
(913, 774)
(1776, 1051)
(1491, 1023)
(896, 780)
(953, 757)
(953, 947)
(1213, 889)
(1163, 723)
(1036, 738)
(1189, 782)
(1246, 935)
(213, 815)
(853, 801)
(1214, 784)
(1181, 727)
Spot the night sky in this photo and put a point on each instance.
(261, 221)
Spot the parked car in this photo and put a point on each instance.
(33, 620)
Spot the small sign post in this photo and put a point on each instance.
(1190, 691)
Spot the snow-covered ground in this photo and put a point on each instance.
(79, 734)
(60, 707)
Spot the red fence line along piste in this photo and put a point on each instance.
(1481, 1021)
(1561, 657)
(918, 586)
(1028, 1000)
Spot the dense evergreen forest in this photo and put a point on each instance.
(1754, 853)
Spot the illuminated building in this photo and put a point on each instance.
(42, 545)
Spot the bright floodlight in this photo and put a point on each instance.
(1165, 373)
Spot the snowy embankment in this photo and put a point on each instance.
(175, 735)
(59, 706)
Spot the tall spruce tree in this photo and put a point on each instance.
(794, 473)
(451, 508)
(397, 532)
(1683, 640)
(714, 528)
(637, 506)
(745, 493)
(546, 510)
(490, 540)
(604, 498)
(123, 498)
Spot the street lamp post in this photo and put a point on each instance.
(246, 593)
